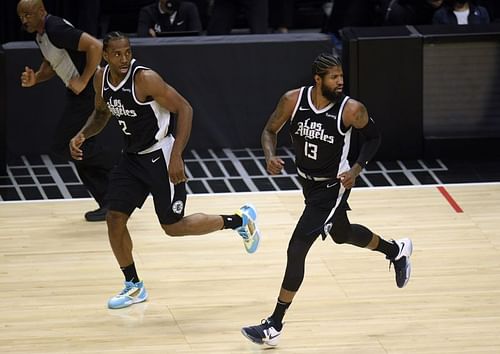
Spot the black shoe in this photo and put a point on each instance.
(96, 215)
(402, 264)
(265, 333)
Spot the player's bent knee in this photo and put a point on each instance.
(116, 218)
(173, 230)
(339, 238)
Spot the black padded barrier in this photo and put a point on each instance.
(232, 82)
(384, 71)
(433, 89)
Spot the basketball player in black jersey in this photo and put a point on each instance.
(73, 55)
(321, 119)
(151, 162)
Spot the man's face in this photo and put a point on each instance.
(332, 83)
(169, 6)
(118, 55)
(31, 14)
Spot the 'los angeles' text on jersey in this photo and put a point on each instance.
(319, 137)
(313, 130)
(145, 125)
(117, 109)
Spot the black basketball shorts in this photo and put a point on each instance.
(324, 201)
(138, 175)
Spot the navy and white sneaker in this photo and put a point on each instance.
(265, 333)
(249, 231)
(401, 262)
(132, 293)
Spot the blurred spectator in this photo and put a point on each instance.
(350, 13)
(281, 15)
(225, 12)
(408, 12)
(493, 7)
(461, 12)
(168, 16)
(425, 10)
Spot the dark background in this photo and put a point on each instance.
(233, 83)
(433, 90)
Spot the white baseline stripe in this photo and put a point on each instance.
(211, 195)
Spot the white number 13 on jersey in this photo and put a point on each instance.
(311, 150)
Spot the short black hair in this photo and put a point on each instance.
(323, 62)
(112, 36)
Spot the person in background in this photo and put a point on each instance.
(461, 12)
(321, 119)
(493, 7)
(408, 12)
(225, 12)
(281, 15)
(74, 56)
(145, 105)
(168, 16)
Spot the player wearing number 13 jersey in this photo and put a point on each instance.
(320, 138)
(321, 119)
(151, 162)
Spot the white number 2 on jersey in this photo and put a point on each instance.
(311, 150)
(124, 127)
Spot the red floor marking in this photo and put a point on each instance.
(450, 199)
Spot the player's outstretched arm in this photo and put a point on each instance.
(269, 137)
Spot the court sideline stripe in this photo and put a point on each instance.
(450, 199)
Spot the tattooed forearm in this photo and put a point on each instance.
(96, 122)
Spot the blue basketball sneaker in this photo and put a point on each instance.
(133, 293)
(248, 230)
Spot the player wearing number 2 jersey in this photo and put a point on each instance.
(151, 162)
(145, 125)
(321, 119)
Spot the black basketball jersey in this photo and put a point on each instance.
(145, 125)
(319, 137)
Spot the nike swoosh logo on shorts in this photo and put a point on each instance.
(155, 159)
(331, 185)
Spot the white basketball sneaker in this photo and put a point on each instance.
(402, 264)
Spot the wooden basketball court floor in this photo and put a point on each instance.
(57, 272)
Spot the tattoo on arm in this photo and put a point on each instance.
(361, 117)
(278, 117)
(97, 121)
(276, 121)
(102, 115)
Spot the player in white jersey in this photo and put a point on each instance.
(321, 119)
(151, 162)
